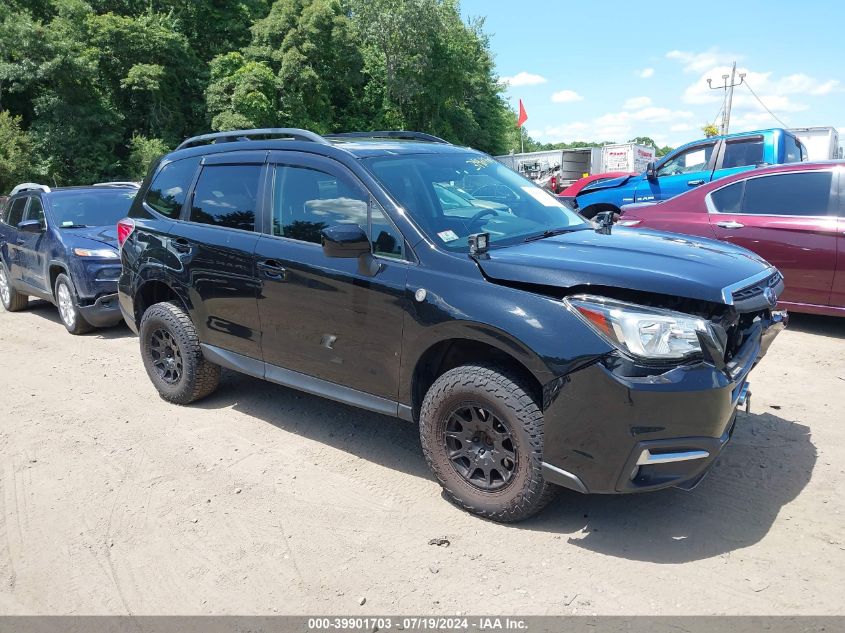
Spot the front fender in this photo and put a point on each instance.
(536, 330)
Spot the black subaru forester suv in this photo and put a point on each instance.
(404, 275)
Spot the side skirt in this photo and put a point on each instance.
(303, 382)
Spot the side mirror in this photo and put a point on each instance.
(30, 226)
(604, 222)
(345, 240)
(651, 171)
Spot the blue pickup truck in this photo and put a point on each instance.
(692, 165)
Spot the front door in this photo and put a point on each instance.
(31, 258)
(681, 172)
(325, 317)
(214, 247)
(789, 220)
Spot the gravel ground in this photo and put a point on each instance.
(262, 500)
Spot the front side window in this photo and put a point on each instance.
(16, 211)
(74, 208)
(305, 201)
(743, 153)
(227, 195)
(800, 193)
(167, 192)
(689, 161)
(36, 210)
(454, 195)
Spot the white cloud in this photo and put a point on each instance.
(635, 103)
(681, 127)
(697, 62)
(524, 79)
(645, 73)
(616, 126)
(650, 114)
(566, 96)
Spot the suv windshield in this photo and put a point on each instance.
(452, 196)
(90, 208)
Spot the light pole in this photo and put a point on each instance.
(729, 89)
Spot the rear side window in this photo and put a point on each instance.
(16, 211)
(170, 186)
(794, 150)
(227, 195)
(728, 199)
(743, 153)
(806, 193)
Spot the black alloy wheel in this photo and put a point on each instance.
(166, 356)
(480, 447)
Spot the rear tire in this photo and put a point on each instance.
(482, 435)
(172, 356)
(11, 299)
(68, 304)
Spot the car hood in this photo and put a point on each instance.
(103, 234)
(635, 259)
(605, 184)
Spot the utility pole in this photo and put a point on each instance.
(728, 87)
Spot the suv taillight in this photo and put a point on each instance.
(124, 230)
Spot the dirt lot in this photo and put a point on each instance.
(263, 500)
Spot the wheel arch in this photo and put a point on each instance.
(55, 269)
(154, 291)
(594, 209)
(455, 351)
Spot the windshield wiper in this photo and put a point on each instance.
(549, 233)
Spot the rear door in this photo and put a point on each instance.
(837, 293)
(789, 219)
(214, 244)
(685, 170)
(31, 247)
(11, 235)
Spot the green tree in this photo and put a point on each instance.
(709, 130)
(15, 152)
(142, 152)
(644, 140)
(241, 94)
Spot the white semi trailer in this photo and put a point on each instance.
(822, 143)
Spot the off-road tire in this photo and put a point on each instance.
(13, 300)
(76, 323)
(497, 390)
(198, 378)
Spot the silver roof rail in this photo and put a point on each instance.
(118, 183)
(247, 135)
(29, 186)
(404, 135)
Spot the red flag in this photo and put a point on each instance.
(523, 115)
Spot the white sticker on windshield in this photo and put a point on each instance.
(67, 223)
(542, 197)
(448, 236)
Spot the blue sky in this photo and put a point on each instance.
(611, 70)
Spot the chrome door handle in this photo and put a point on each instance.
(730, 225)
(273, 270)
(695, 183)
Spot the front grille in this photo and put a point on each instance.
(757, 289)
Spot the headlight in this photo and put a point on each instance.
(102, 253)
(641, 331)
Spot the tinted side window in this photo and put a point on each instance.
(386, 239)
(743, 153)
(689, 161)
(170, 186)
(727, 199)
(16, 211)
(805, 193)
(36, 210)
(793, 150)
(305, 201)
(227, 195)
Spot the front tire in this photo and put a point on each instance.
(172, 356)
(482, 435)
(11, 299)
(68, 304)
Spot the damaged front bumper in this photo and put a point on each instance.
(617, 427)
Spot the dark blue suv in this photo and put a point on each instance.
(531, 346)
(61, 245)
